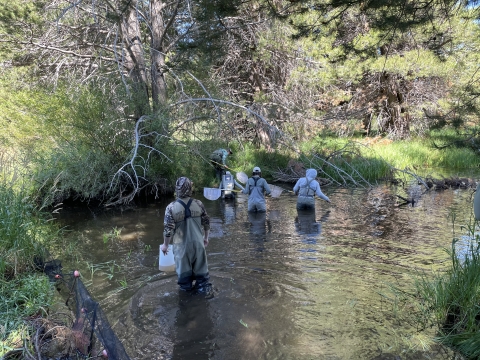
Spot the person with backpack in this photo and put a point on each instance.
(257, 188)
(219, 161)
(306, 188)
(187, 226)
(227, 186)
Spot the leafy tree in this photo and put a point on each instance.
(391, 62)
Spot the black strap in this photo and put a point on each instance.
(255, 185)
(308, 187)
(188, 214)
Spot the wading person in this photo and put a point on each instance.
(256, 188)
(227, 186)
(219, 161)
(187, 226)
(306, 188)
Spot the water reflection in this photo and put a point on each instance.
(194, 327)
(306, 223)
(258, 228)
(229, 210)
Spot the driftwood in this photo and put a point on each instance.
(296, 170)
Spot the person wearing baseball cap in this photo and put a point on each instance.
(257, 188)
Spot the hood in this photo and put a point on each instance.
(311, 174)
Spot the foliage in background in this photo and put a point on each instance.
(72, 111)
(392, 67)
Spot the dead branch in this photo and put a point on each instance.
(132, 174)
(417, 177)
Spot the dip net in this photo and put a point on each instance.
(93, 333)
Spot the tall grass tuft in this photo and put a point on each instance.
(26, 295)
(451, 301)
(25, 233)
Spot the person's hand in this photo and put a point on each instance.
(164, 249)
(205, 242)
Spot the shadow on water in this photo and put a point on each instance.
(288, 284)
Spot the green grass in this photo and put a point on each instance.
(372, 158)
(450, 301)
(420, 153)
(25, 234)
(24, 296)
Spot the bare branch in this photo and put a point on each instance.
(133, 172)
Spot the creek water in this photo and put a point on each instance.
(288, 285)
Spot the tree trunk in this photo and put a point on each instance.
(159, 86)
(134, 60)
(394, 106)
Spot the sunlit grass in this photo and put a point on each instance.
(20, 298)
(422, 154)
(449, 300)
(446, 301)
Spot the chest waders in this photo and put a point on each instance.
(306, 197)
(188, 248)
(256, 200)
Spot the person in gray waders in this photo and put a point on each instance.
(257, 188)
(187, 225)
(227, 186)
(306, 188)
(219, 161)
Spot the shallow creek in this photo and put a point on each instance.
(288, 285)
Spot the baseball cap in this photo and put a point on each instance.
(256, 169)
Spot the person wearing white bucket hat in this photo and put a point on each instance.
(306, 188)
(257, 188)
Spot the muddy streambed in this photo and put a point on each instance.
(288, 285)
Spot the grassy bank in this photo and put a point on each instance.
(449, 300)
(360, 160)
(25, 234)
(446, 300)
